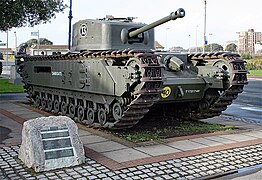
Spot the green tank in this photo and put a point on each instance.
(115, 77)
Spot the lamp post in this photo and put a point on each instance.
(238, 42)
(205, 18)
(211, 49)
(196, 39)
(38, 42)
(7, 45)
(70, 17)
(15, 42)
(36, 33)
(189, 43)
(166, 38)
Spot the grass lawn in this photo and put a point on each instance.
(6, 87)
(152, 132)
(255, 73)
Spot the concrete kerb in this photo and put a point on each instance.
(118, 166)
(258, 78)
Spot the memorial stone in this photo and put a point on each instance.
(51, 143)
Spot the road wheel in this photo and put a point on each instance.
(49, 105)
(56, 106)
(102, 116)
(43, 103)
(71, 110)
(80, 113)
(90, 116)
(63, 108)
(117, 111)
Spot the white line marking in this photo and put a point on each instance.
(252, 109)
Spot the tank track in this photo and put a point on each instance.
(146, 96)
(237, 80)
(136, 107)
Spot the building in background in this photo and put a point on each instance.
(47, 49)
(8, 53)
(258, 48)
(247, 41)
(158, 46)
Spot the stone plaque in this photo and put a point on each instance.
(56, 143)
(50, 143)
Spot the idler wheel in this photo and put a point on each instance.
(90, 116)
(80, 113)
(63, 108)
(56, 106)
(71, 110)
(203, 106)
(117, 111)
(49, 105)
(102, 116)
(225, 68)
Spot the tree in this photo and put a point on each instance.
(43, 41)
(232, 47)
(195, 49)
(30, 42)
(213, 47)
(19, 13)
(177, 49)
(245, 55)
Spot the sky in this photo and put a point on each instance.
(224, 19)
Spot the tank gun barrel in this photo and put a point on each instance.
(180, 13)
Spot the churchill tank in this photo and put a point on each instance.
(114, 76)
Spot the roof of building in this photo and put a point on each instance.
(158, 45)
(5, 49)
(50, 47)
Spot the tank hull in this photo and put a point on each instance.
(114, 92)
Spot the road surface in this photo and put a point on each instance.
(248, 105)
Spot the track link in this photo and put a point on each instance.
(237, 80)
(147, 95)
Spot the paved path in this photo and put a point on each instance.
(190, 157)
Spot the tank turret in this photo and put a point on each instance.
(117, 33)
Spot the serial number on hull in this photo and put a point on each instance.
(190, 91)
(57, 74)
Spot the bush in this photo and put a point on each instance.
(254, 64)
(246, 56)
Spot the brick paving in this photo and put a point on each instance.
(190, 167)
(190, 157)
